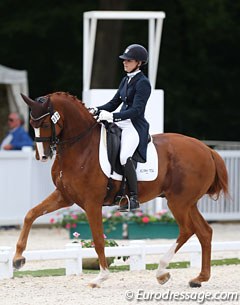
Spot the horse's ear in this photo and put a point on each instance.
(28, 100)
(46, 104)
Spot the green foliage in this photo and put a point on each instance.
(41, 273)
(144, 218)
(69, 218)
(198, 67)
(90, 244)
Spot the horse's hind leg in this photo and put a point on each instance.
(52, 203)
(204, 234)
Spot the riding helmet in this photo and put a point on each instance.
(136, 52)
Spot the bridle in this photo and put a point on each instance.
(54, 139)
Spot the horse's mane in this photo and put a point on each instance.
(67, 95)
(65, 98)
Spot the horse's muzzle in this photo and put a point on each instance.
(44, 158)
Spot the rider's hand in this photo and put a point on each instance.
(105, 116)
(94, 111)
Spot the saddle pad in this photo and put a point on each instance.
(145, 171)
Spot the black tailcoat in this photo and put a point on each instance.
(134, 96)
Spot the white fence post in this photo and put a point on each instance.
(74, 265)
(138, 262)
(195, 260)
(6, 268)
(195, 256)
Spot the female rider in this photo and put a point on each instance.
(133, 93)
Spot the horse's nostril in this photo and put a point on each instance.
(44, 157)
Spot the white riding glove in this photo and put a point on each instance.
(105, 116)
(94, 111)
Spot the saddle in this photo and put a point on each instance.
(109, 158)
(113, 148)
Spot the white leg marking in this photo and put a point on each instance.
(165, 260)
(39, 144)
(102, 276)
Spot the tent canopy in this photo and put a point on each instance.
(16, 82)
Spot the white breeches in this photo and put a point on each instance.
(129, 142)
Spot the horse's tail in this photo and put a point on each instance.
(220, 183)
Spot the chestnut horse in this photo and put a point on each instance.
(188, 169)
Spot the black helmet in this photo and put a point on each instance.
(137, 52)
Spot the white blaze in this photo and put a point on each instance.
(39, 144)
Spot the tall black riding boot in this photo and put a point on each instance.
(130, 174)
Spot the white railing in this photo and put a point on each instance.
(137, 251)
(224, 208)
(25, 182)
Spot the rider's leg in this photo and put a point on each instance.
(129, 143)
(130, 173)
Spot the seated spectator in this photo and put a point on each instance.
(16, 137)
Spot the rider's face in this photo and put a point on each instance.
(130, 65)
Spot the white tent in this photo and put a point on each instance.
(16, 82)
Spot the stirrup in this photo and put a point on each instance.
(124, 208)
(130, 206)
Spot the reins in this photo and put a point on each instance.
(78, 137)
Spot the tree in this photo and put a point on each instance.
(199, 60)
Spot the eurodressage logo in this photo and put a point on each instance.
(198, 297)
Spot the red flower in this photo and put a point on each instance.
(145, 219)
(52, 220)
(117, 214)
(68, 226)
(74, 225)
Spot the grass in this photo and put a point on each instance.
(175, 265)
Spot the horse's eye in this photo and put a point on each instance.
(45, 125)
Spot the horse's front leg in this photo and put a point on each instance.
(52, 203)
(95, 221)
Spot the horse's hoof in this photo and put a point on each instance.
(162, 279)
(19, 263)
(195, 284)
(93, 285)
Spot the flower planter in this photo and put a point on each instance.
(152, 230)
(112, 232)
(93, 263)
(82, 228)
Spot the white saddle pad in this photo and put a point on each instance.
(145, 171)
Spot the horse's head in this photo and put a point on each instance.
(46, 123)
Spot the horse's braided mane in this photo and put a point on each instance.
(68, 95)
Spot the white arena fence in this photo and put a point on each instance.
(137, 252)
(25, 182)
